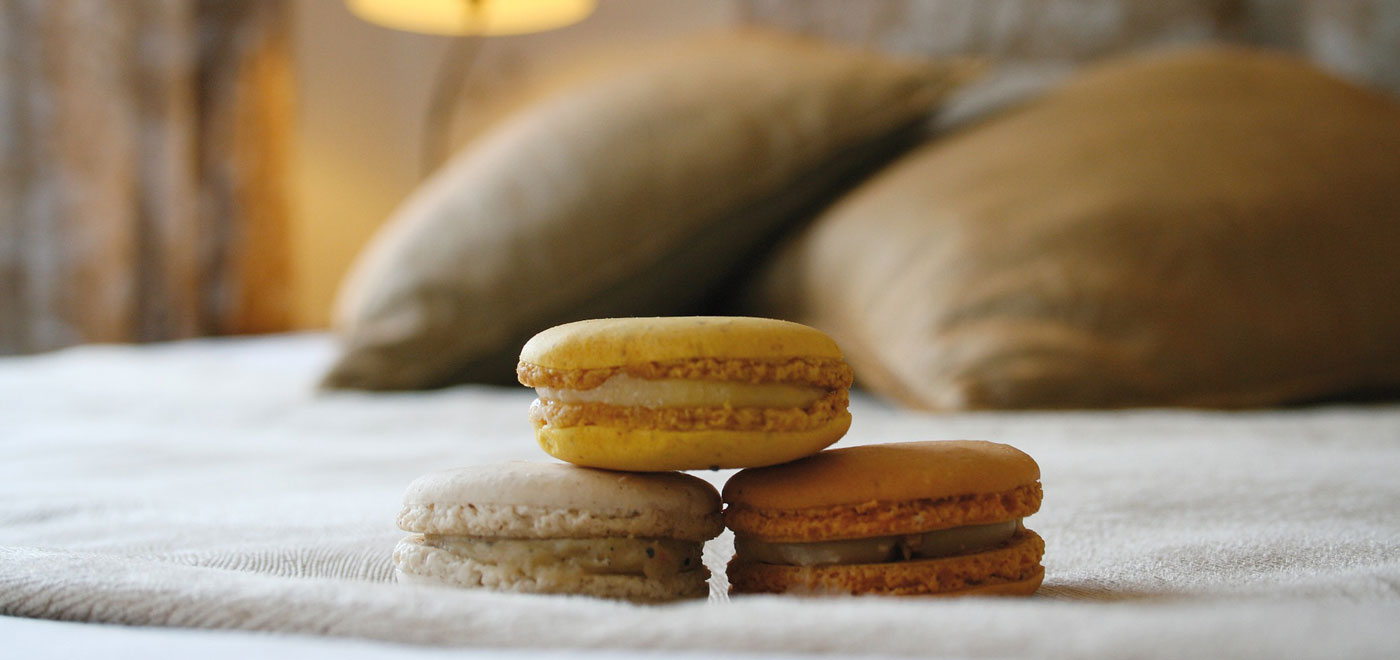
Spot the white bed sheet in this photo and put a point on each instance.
(206, 485)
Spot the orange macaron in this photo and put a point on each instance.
(918, 518)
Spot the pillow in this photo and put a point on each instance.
(635, 192)
(1211, 227)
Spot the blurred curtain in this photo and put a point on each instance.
(141, 169)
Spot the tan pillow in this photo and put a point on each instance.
(1209, 227)
(635, 192)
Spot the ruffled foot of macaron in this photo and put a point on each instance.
(685, 393)
(920, 518)
(559, 529)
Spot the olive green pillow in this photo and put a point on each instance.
(1211, 227)
(635, 191)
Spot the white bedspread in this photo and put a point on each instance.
(204, 484)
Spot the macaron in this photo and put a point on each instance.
(560, 529)
(918, 518)
(685, 393)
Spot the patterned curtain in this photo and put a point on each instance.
(141, 170)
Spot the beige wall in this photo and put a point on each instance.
(363, 91)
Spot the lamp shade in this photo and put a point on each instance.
(479, 17)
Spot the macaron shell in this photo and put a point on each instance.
(647, 450)
(885, 473)
(1013, 569)
(553, 500)
(1025, 587)
(604, 343)
(875, 518)
(563, 486)
(525, 522)
(417, 563)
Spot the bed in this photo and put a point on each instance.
(208, 485)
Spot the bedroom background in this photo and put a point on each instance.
(1104, 213)
(253, 148)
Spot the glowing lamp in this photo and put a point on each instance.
(472, 17)
(464, 18)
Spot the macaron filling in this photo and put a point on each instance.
(625, 390)
(650, 558)
(928, 545)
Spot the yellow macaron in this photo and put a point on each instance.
(917, 518)
(685, 393)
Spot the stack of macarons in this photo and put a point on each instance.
(628, 403)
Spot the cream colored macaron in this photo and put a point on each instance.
(554, 528)
(916, 518)
(685, 393)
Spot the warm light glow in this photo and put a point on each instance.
(482, 17)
